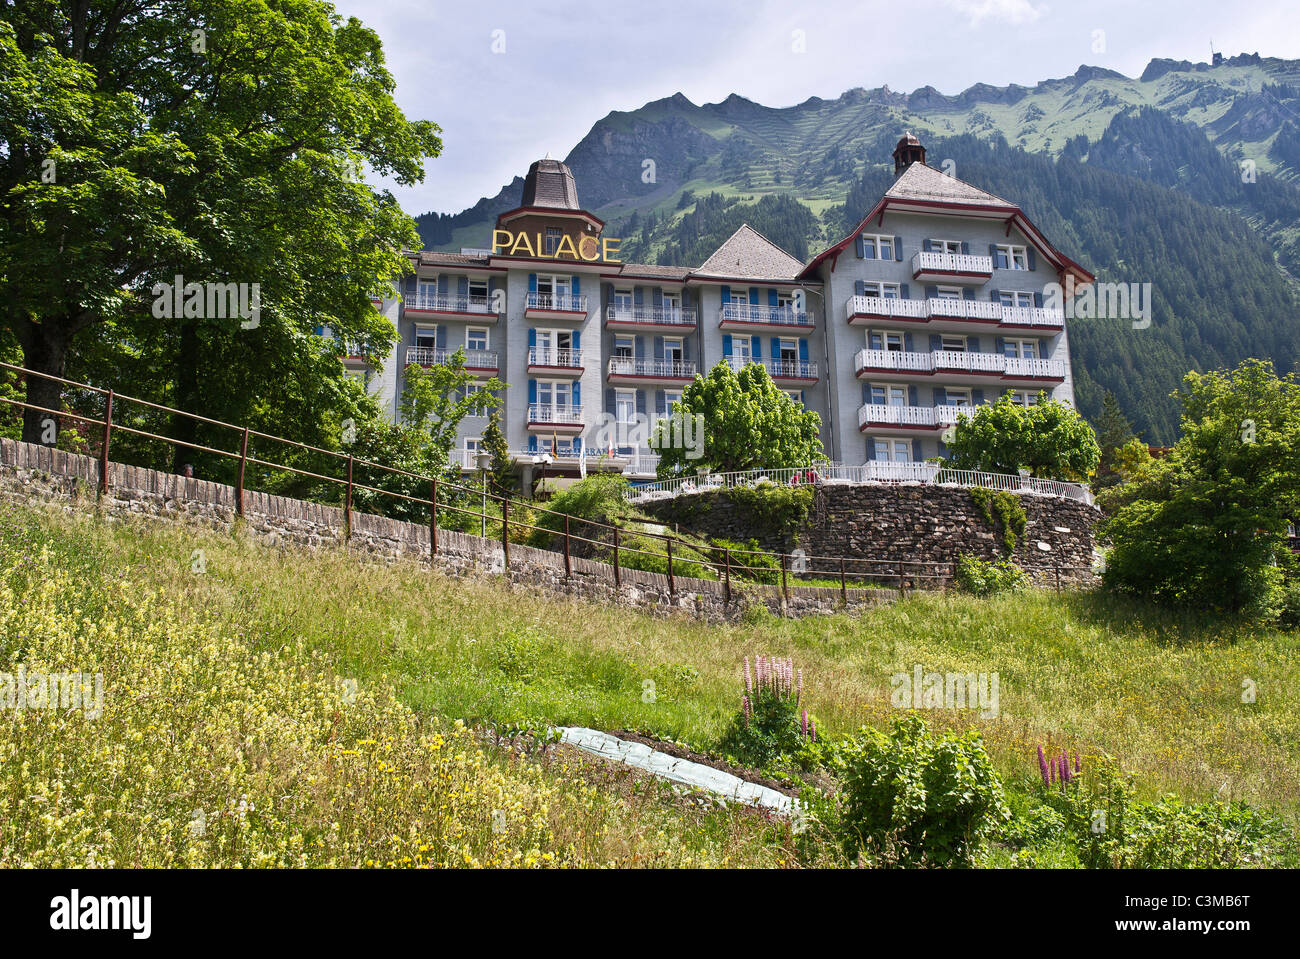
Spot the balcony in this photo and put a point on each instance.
(959, 267)
(781, 371)
(746, 316)
(447, 307)
(951, 314)
(558, 419)
(554, 306)
(648, 318)
(880, 417)
(554, 362)
(954, 366)
(623, 369)
(479, 362)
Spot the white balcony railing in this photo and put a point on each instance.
(1032, 316)
(888, 307)
(964, 309)
(558, 302)
(448, 303)
(560, 359)
(893, 415)
(778, 369)
(668, 369)
(560, 415)
(968, 362)
(898, 360)
(431, 356)
(938, 361)
(923, 262)
(766, 315)
(1030, 367)
(683, 316)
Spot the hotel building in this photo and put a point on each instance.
(934, 304)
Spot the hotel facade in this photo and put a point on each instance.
(938, 302)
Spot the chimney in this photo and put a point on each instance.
(907, 152)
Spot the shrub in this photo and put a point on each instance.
(911, 800)
(1289, 605)
(980, 578)
(771, 726)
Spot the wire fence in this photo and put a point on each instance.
(571, 536)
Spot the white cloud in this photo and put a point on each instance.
(1010, 11)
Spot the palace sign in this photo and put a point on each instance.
(588, 249)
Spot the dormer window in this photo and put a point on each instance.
(1009, 257)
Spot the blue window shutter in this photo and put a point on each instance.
(532, 282)
(776, 348)
(925, 246)
(940, 396)
(756, 346)
(726, 294)
(753, 296)
(577, 393)
(532, 392)
(640, 402)
(916, 451)
(609, 399)
(638, 296)
(869, 252)
(320, 329)
(532, 339)
(999, 345)
(661, 403)
(898, 248)
(658, 300)
(965, 248)
(1032, 258)
(1038, 300)
(875, 341)
(866, 393)
(912, 396)
(442, 337)
(936, 341)
(771, 297)
(659, 347)
(532, 444)
(931, 292)
(576, 286)
(857, 246)
(577, 444)
(726, 344)
(993, 252)
(871, 447)
(803, 351)
(577, 340)
(968, 293)
(995, 296)
(638, 347)
(943, 449)
(905, 291)
(688, 298)
(973, 344)
(444, 283)
(907, 342)
(462, 286)
(859, 288)
(686, 349)
(977, 397)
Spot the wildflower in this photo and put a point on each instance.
(1042, 766)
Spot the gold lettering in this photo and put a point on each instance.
(595, 249)
(499, 244)
(607, 247)
(566, 241)
(521, 239)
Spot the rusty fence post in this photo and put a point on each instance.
(568, 563)
(505, 533)
(618, 577)
(103, 453)
(785, 590)
(433, 521)
(672, 587)
(243, 462)
(726, 576)
(844, 583)
(347, 505)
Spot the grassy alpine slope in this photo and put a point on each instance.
(301, 707)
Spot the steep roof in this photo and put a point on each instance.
(748, 255)
(922, 182)
(550, 183)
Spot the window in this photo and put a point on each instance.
(888, 394)
(553, 234)
(948, 292)
(476, 338)
(478, 291)
(891, 340)
(785, 301)
(740, 296)
(671, 397)
(889, 291)
(1015, 298)
(957, 396)
(672, 305)
(878, 247)
(554, 394)
(623, 347)
(472, 445)
(428, 289)
(1024, 349)
(550, 345)
(426, 338)
(623, 301)
(550, 285)
(740, 349)
(893, 451)
(953, 343)
(1009, 257)
(673, 350)
(945, 246)
(1023, 397)
(790, 351)
(625, 406)
(796, 395)
(472, 389)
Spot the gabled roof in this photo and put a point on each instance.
(748, 255)
(925, 183)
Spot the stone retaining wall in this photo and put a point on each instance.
(32, 472)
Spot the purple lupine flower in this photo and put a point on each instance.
(1078, 763)
(803, 724)
(749, 682)
(812, 730)
(1042, 766)
(744, 705)
(1065, 770)
(762, 671)
(799, 695)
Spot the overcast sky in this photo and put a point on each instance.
(558, 67)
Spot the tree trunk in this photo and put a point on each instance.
(45, 350)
